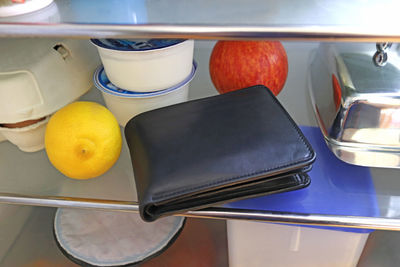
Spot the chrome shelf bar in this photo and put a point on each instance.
(212, 213)
(282, 32)
(338, 20)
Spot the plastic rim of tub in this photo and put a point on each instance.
(102, 82)
(97, 238)
(136, 45)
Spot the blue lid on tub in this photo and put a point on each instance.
(336, 188)
(135, 44)
(102, 82)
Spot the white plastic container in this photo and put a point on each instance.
(257, 244)
(10, 8)
(38, 77)
(126, 104)
(146, 65)
(29, 138)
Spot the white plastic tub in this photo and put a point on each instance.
(126, 104)
(254, 244)
(145, 65)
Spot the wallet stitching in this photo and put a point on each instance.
(299, 135)
(163, 195)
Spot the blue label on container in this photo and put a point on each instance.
(135, 44)
(102, 82)
(105, 82)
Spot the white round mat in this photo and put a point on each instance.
(100, 238)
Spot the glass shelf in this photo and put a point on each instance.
(37, 228)
(306, 19)
(30, 179)
(20, 239)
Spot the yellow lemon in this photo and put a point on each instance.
(83, 140)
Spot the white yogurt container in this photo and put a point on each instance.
(127, 104)
(146, 65)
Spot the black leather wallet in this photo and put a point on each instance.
(216, 149)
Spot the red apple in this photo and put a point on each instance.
(239, 64)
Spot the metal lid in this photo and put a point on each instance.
(357, 103)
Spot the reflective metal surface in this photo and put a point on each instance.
(209, 31)
(380, 57)
(207, 19)
(212, 213)
(298, 219)
(357, 103)
(68, 202)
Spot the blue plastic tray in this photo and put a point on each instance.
(336, 188)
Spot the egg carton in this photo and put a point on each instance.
(37, 78)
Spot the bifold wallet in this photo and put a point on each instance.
(217, 149)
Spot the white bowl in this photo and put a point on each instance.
(13, 9)
(146, 65)
(126, 104)
(29, 138)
